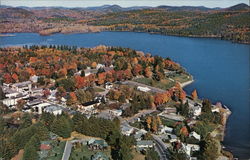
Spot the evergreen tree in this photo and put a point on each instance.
(62, 127)
(26, 121)
(30, 153)
(2, 96)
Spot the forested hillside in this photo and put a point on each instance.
(230, 23)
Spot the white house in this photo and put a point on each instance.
(195, 108)
(195, 135)
(115, 112)
(22, 86)
(138, 135)
(56, 110)
(215, 109)
(108, 85)
(14, 100)
(190, 147)
(143, 89)
(172, 138)
(40, 107)
(10, 102)
(34, 78)
(165, 129)
(99, 66)
(127, 130)
(89, 71)
(37, 92)
(11, 93)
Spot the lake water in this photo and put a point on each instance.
(220, 69)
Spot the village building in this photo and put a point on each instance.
(94, 144)
(144, 145)
(143, 89)
(108, 85)
(115, 112)
(189, 148)
(138, 135)
(56, 110)
(169, 110)
(34, 78)
(165, 129)
(126, 130)
(195, 108)
(89, 71)
(22, 86)
(40, 107)
(99, 156)
(172, 138)
(195, 135)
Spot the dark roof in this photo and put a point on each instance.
(90, 103)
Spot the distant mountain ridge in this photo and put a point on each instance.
(230, 23)
(117, 8)
(241, 6)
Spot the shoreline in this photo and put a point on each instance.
(184, 84)
(104, 30)
(7, 35)
(225, 113)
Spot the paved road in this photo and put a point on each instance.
(161, 148)
(153, 89)
(67, 151)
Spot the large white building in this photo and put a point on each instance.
(56, 110)
(143, 89)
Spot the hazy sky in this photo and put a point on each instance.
(123, 3)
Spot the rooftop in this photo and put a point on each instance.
(52, 108)
(145, 142)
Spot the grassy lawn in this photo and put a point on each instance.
(163, 84)
(98, 89)
(83, 151)
(137, 155)
(137, 124)
(56, 152)
(181, 77)
(168, 122)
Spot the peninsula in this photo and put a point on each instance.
(110, 102)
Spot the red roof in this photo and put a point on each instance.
(45, 147)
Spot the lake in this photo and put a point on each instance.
(220, 69)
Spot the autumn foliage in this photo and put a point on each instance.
(194, 94)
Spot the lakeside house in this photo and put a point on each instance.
(195, 108)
